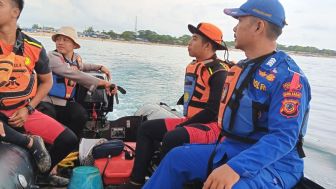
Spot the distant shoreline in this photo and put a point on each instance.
(48, 34)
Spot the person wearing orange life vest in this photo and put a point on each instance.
(68, 70)
(203, 83)
(25, 79)
(263, 114)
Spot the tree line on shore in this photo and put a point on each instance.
(153, 37)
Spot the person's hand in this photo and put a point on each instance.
(110, 88)
(114, 89)
(18, 118)
(2, 130)
(221, 177)
(105, 70)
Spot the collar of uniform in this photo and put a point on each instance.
(73, 59)
(258, 59)
(18, 46)
(207, 61)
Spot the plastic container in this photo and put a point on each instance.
(119, 168)
(86, 177)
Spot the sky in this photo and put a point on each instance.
(310, 22)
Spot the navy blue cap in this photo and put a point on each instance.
(269, 10)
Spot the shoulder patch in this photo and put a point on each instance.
(274, 60)
(271, 62)
(289, 108)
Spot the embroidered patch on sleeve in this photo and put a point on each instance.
(289, 108)
(270, 77)
(291, 94)
(258, 85)
(262, 73)
(287, 87)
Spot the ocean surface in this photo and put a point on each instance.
(155, 73)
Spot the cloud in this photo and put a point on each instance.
(311, 24)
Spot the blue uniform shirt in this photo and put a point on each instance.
(283, 87)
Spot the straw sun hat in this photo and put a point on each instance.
(68, 32)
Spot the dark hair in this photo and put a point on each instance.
(19, 4)
(272, 31)
(205, 39)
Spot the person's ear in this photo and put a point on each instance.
(208, 45)
(16, 12)
(260, 26)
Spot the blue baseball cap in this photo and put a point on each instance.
(269, 10)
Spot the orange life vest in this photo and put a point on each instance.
(231, 81)
(18, 80)
(196, 85)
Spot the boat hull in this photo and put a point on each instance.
(17, 169)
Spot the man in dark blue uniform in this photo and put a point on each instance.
(263, 114)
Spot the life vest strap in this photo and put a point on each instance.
(197, 94)
(260, 129)
(200, 86)
(299, 147)
(299, 144)
(60, 80)
(197, 104)
(239, 92)
(260, 107)
(213, 153)
(239, 138)
(14, 106)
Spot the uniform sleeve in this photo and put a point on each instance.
(90, 67)
(210, 113)
(42, 64)
(64, 70)
(285, 117)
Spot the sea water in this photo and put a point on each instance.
(155, 73)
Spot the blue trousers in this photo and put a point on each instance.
(189, 162)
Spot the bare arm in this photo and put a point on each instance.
(20, 116)
(44, 86)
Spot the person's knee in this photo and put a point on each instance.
(177, 153)
(175, 159)
(174, 138)
(146, 127)
(67, 139)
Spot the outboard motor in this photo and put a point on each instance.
(98, 104)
